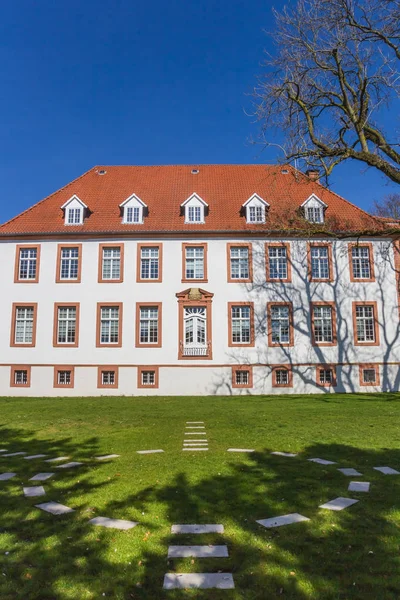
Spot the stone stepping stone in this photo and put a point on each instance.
(69, 465)
(384, 470)
(113, 523)
(359, 486)
(239, 450)
(193, 449)
(195, 427)
(58, 459)
(184, 581)
(34, 456)
(283, 520)
(321, 461)
(54, 508)
(7, 476)
(195, 433)
(41, 477)
(107, 456)
(287, 454)
(194, 422)
(198, 551)
(196, 443)
(3, 450)
(350, 472)
(35, 490)
(15, 454)
(149, 451)
(197, 529)
(338, 503)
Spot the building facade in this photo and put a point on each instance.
(214, 279)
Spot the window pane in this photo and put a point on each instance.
(277, 262)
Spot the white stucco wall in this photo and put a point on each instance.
(181, 377)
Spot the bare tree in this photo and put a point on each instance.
(334, 74)
(388, 207)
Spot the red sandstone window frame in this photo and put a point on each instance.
(248, 279)
(291, 325)
(286, 245)
(58, 305)
(60, 248)
(242, 386)
(276, 368)
(249, 344)
(334, 327)
(203, 245)
(320, 368)
(121, 247)
(139, 263)
(101, 305)
(328, 245)
(143, 368)
(140, 305)
(59, 368)
(18, 249)
(101, 370)
(184, 301)
(370, 247)
(16, 305)
(15, 368)
(374, 305)
(365, 366)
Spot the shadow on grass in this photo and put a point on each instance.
(352, 554)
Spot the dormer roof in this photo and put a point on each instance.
(73, 198)
(255, 198)
(194, 197)
(314, 198)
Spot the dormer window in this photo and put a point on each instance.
(74, 211)
(194, 209)
(255, 209)
(133, 210)
(314, 209)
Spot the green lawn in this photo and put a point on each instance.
(336, 555)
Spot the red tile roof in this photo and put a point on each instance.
(225, 188)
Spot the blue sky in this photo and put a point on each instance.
(129, 82)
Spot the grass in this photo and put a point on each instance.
(353, 554)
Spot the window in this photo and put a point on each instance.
(239, 263)
(107, 377)
(109, 325)
(194, 214)
(74, 216)
(23, 327)
(280, 324)
(277, 262)
(64, 377)
(242, 376)
(365, 324)
(69, 264)
(148, 377)
(27, 264)
(133, 210)
(314, 214)
(194, 209)
(132, 214)
(20, 376)
(320, 260)
(256, 214)
(149, 264)
(323, 323)
(281, 377)
(241, 325)
(194, 267)
(66, 325)
(148, 325)
(326, 376)
(369, 375)
(361, 262)
(195, 327)
(110, 263)
(74, 211)
(195, 330)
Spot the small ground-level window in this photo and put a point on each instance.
(20, 376)
(281, 377)
(64, 376)
(242, 376)
(147, 377)
(107, 377)
(326, 376)
(369, 375)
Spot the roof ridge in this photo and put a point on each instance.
(27, 210)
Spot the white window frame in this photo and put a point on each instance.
(24, 324)
(195, 326)
(111, 258)
(108, 378)
(27, 264)
(361, 262)
(241, 324)
(149, 263)
(239, 262)
(69, 263)
(148, 378)
(69, 318)
(323, 324)
(365, 324)
(278, 262)
(109, 325)
(197, 260)
(320, 267)
(322, 372)
(278, 375)
(280, 324)
(21, 377)
(66, 375)
(242, 377)
(149, 326)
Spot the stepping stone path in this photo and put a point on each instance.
(7, 476)
(34, 456)
(387, 470)
(69, 465)
(338, 503)
(321, 461)
(36, 490)
(283, 520)
(54, 508)
(41, 477)
(287, 454)
(149, 451)
(221, 581)
(113, 523)
(358, 486)
(191, 444)
(350, 472)
(58, 459)
(239, 450)
(107, 456)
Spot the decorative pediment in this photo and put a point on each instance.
(194, 295)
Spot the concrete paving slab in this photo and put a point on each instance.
(194, 422)
(34, 456)
(350, 472)
(339, 503)
(107, 456)
(197, 529)
(35, 490)
(149, 451)
(359, 486)
(283, 520)
(198, 551)
(287, 454)
(7, 476)
(54, 508)
(387, 470)
(239, 450)
(113, 523)
(15, 454)
(69, 465)
(220, 581)
(41, 477)
(321, 461)
(58, 459)
(194, 448)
